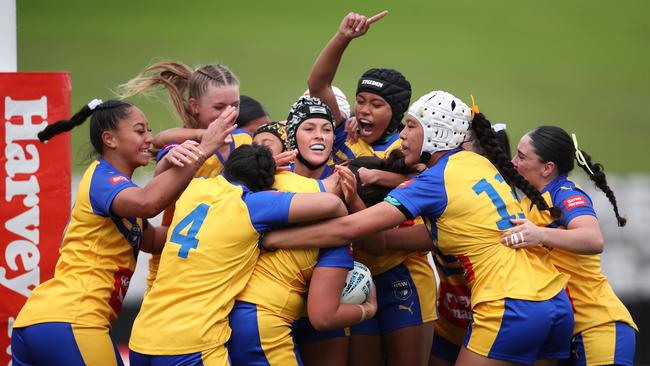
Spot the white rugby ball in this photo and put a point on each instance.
(357, 285)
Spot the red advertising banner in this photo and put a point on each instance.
(34, 189)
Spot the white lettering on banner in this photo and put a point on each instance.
(27, 222)
(10, 329)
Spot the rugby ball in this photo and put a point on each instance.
(357, 285)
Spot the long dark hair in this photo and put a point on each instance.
(252, 166)
(553, 144)
(105, 117)
(373, 194)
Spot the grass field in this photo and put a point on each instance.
(584, 65)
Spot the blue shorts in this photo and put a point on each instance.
(63, 344)
(214, 357)
(406, 297)
(260, 337)
(607, 344)
(444, 349)
(304, 332)
(522, 331)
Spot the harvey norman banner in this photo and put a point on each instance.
(34, 188)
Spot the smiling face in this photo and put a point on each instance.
(315, 138)
(412, 137)
(213, 102)
(132, 138)
(373, 114)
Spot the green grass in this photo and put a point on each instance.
(583, 65)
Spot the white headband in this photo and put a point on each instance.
(94, 104)
(498, 127)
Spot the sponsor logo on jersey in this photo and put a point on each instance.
(374, 83)
(117, 178)
(402, 289)
(121, 284)
(405, 183)
(575, 201)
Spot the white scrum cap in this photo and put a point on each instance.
(444, 118)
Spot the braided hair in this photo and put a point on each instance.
(105, 117)
(553, 144)
(252, 166)
(486, 136)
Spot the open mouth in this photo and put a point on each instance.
(145, 151)
(366, 127)
(317, 147)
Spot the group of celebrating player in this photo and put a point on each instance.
(232, 281)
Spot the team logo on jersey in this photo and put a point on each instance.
(117, 178)
(402, 289)
(575, 201)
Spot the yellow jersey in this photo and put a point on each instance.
(467, 206)
(378, 264)
(98, 257)
(210, 253)
(281, 278)
(343, 150)
(594, 301)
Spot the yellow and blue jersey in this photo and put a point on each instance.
(281, 278)
(209, 256)
(467, 206)
(329, 170)
(98, 256)
(454, 306)
(344, 150)
(593, 299)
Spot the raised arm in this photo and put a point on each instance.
(337, 231)
(177, 135)
(322, 73)
(306, 207)
(582, 235)
(164, 188)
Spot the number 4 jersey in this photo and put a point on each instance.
(210, 253)
(467, 206)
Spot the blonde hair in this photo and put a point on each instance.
(181, 82)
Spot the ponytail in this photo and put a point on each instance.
(174, 77)
(67, 125)
(181, 83)
(105, 116)
(596, 173)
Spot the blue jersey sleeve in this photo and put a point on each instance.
(335, 257)
(424, 195)
(161, 154)
(339, 137)
(573, 202)
(268, 209)
(105, 184)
